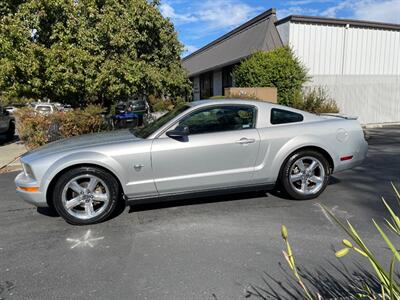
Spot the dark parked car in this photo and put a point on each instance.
(140, 108)
(7, 124)
(130, 113)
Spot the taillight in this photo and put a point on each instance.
(344, 158)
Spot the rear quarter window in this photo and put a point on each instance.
(281, 116)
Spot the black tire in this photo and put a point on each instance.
(285, 174)
(11, 131)
(108, 179)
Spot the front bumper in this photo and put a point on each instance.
(36, 198)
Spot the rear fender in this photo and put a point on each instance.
(295, 144)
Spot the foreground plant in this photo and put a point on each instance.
(290, 259)
(389, 286)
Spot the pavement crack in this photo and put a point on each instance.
(18, 209)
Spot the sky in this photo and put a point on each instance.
(199, 22)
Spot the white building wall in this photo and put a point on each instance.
(372, 98)
(360, 67)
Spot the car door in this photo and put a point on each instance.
(220, 150)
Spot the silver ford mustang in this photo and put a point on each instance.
(199, 148)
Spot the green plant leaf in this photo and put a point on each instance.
(284, 232)
(360, 251)
(397, 193)
(391, 282)
(387, 240)
(396, 226)
(342, 252)
(347, 243)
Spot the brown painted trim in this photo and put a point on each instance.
(218, 67)
(242, 27)
(340, 22)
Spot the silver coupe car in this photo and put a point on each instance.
(200, 148)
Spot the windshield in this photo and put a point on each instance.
(138, 102)
(152, 127)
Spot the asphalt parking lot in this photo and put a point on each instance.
(214, 248)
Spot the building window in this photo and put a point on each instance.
(206, 85)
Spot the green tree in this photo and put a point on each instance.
(88, 51)
(278, 68)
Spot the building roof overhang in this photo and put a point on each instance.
(258, 33)
(338, 22)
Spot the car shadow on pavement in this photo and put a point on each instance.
(335, 282)
(4, 141)
(194, 201)
(48, 212)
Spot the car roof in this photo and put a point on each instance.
(259, 103)
(229, 101)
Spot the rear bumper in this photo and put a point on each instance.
(36, 198)
(358, 158)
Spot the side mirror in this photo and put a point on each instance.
(179, 133)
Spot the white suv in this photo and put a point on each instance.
(44, 108)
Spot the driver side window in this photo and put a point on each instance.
(220, 118)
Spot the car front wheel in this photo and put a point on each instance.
(85, 195)
(305, 175)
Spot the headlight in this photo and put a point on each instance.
(28, 170)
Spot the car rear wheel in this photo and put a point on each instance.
(86, 195)
(305, 175)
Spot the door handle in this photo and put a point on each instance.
(138, 167)
(245, 141)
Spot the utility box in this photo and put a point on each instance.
(269, 94)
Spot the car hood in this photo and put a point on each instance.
(83, 141)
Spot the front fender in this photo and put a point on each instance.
(87, 157)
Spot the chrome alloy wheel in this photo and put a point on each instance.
(85, 197)
(307, 175)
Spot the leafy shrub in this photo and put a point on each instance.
(89, 51)
(315, 100)
(218, 97)
(36, 129)
(386, 277)
(278, 68)
(163, 105)
(158, 104)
